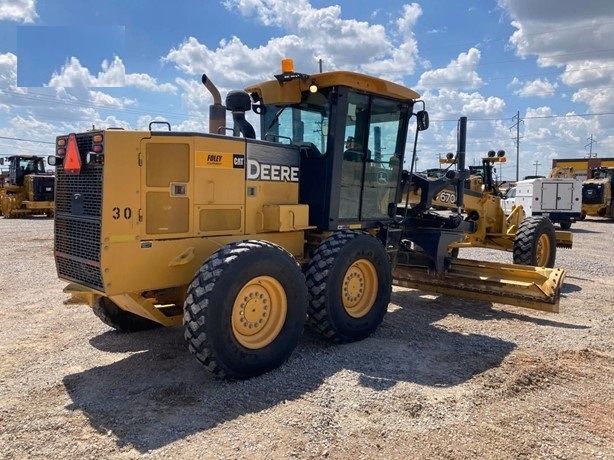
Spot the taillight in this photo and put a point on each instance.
(97, 143)
(60, 146)
(96, 154)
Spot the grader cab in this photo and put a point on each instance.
(243, 234)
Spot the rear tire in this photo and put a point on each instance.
(245, 309)
(565, 225)
(119, 319)
(349, 279)
(535, 242)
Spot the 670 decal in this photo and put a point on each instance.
(446, 197)
(119, 213)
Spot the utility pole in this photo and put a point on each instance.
(536, 163)
(517, 126)
(591, 141)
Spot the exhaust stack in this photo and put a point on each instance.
(217, 112)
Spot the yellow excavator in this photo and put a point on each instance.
(243, 233)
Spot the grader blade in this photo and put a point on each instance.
(524, 286)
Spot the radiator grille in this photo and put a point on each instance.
(87, 184)
(77, 253)
(78, 207)
(592, 193)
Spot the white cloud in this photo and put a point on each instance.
(459, 73)
(234, 63)
(18, 10)
(73, 74)
(600, 100)
(575, 37)
(31, 124)
(593, 73)
(194, 96)
(8, 74)
(402, 58)
(560, 31)
(113, 74)
(100, 99)
(313, 34)
(148, 83)
(536, 88)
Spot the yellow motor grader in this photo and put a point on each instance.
(28, 189)
(244, 236)
(532, 240)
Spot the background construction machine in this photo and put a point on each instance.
(243, 239)
(28, 189)
(597, 198)
(531, 239)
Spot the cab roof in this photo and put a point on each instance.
(280, 91)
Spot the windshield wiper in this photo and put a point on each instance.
(276, 117)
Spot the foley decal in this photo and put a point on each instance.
(219, 159)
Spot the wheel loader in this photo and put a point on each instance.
(245, 234)
(598, 194)
(532, 240)
(28, 189)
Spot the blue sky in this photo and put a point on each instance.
(66, 65)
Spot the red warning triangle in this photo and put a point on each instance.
(72, 160)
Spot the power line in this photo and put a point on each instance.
(528, 117)
(25, 140)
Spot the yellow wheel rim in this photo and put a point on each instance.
(259, 312)
(359, 288)
(543, 250)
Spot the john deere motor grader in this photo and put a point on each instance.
(532, 240)
(242, 239)
(28, 189)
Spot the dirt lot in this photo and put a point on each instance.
(441, 378)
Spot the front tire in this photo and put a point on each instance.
(349, 279)
(8, 203)
(245, 309)
(535, 242)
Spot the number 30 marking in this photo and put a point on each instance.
(117, 213)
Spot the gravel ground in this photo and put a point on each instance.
(442, 378)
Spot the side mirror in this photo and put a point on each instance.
(1, 161)
(422, 120)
